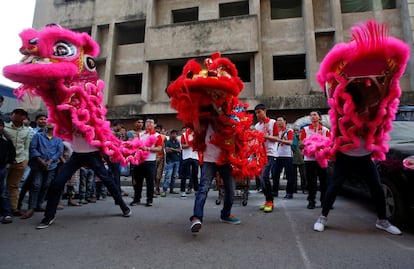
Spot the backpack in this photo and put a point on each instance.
(295, 141)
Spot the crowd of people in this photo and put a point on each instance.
(36, 158)
(39, 156)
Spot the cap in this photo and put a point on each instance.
(20, 111)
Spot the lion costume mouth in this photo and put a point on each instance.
(367, 93)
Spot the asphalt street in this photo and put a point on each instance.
(96, 236)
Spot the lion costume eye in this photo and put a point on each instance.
(90, 63)
(33, 41)
(64, 49)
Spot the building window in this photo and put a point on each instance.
(389, 4)
(289, 67)
(128, 84)
(184, 15)
(283, 9)
(243, 69)
(234, 9)
(87, 30)
(61, 2)
(130, 32)
(353, 6)
(174, 71)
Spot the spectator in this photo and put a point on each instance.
(44, 154)
(41, 122)
(20, 136)
(269, 128)
(7, 156)
(313, 170)
(160, 160)
(190, 163)
(172, 162)
(146, 170)
(299, 165)
(1, 104)
(284, 157)
(87, 187)
(131, 134)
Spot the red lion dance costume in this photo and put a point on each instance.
(198, 92)
(59, 66)
(376, 60)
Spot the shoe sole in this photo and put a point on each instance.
(384, 229)
(127, 214)
(230, 222)
(46, 225)
(196, 228)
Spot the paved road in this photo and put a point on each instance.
(96, 236)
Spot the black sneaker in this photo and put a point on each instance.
(46, 221)
(134, 203)
(311, 205)
(126, 212)
(7, 219)
(148, 204)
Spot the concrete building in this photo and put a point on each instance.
(277, 45)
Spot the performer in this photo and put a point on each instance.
(72, 91)
(206, 101)
(361, 81)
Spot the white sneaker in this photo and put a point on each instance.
(320, 223)
(385, 225)
(195, 225)
(183, 194)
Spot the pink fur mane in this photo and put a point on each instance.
(198, 92)
(370, 52)
(59, 66)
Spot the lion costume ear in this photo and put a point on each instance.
(89, 45)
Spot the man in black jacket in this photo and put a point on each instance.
(7, 156)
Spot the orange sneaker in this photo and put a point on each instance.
(268, 207)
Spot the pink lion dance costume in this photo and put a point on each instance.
(59, 66)
(197, 92)
(375, 61)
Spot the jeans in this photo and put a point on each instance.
(94, 161)
(314, 172)
(208, 172)
(5, 208)
(171, 173)
(345, 166)
(283, 162)
(87, 183)
(265, 178)
(41, 180)
(190, 171)
(145, 170)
